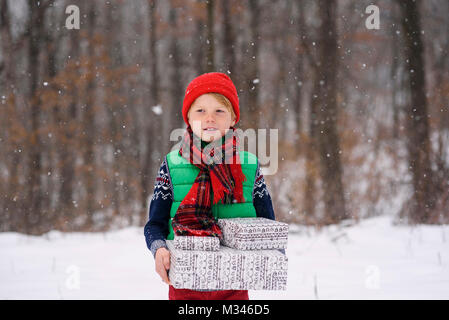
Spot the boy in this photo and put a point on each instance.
(190, 194)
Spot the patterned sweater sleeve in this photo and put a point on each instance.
(261, 196)
(156, 229)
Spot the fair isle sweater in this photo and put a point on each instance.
(156, 229)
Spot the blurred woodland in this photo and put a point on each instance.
(86, 114)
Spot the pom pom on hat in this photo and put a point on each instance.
(207, 83)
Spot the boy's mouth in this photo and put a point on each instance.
(210, 129)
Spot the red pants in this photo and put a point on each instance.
(187, 294)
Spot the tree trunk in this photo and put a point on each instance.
(199, 47)
(176, 85)
(34, 203)
(89, 126)
(229, 39)
(252, 62)
(394, 79)
(277, 108)
(68, 155)
(312, 167)
(12, 158)
(6, 45)
(210, 65)
(326, 134)
(418, 142)
(52, 43)
(298, 70)
(115, 112)
(154, 130)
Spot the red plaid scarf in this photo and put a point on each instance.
(220, 168)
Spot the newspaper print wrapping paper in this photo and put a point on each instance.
(254, 233)
(196, 243)
(227, 269)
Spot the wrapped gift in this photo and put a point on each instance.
(196, 243)
(227, 269)
(254, 233)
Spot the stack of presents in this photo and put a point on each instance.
(249, 256)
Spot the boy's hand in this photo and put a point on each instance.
(163, 264)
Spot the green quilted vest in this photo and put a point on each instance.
(183, 174)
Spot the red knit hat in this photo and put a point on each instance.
(207, 83)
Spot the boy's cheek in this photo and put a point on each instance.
(195, 125)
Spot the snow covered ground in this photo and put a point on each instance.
(371, 260)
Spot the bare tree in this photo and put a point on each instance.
(252, 73)
(418, 143)
(88, 116)
(176, 85)
(298, 68)
(7, 81)
(199, 44)
(7, 63)
(56, 149)
(210, 65)
(154, 129)
(69, 132)
(325, 110)
(229, 38)
(36, 37)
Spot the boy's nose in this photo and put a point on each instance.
(210, 118)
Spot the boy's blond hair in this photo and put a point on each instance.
(224, 101)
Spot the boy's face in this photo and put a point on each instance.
(208, 118)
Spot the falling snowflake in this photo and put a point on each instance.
(157, 109)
